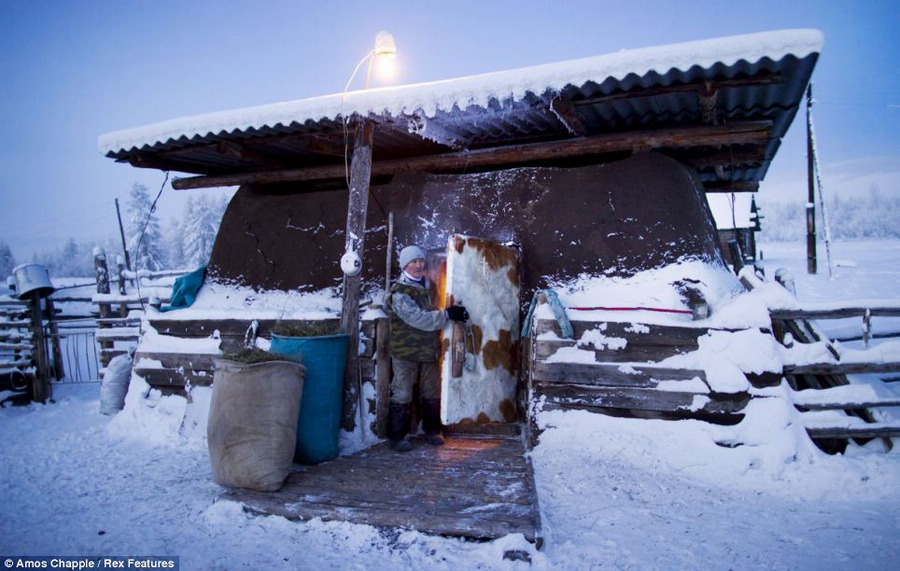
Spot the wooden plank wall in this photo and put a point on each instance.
(627, 381)
(181, 367)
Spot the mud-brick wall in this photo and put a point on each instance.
(616, 218)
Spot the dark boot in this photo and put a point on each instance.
(431, 422)
(398, 427)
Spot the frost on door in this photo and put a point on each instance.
(480, 358)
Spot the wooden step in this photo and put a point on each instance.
(841, 368)
(188, 361)
(635, 334)
(846, 397)
(631, 353)
(174, 377)
(644, 399)
(489, 429)
(852, 309)
(839, 405)
(118, 334)
(869, 430)
(599, 374)
(193, 328)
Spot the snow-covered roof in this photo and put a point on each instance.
(507, 107)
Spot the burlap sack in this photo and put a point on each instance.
(252, 427)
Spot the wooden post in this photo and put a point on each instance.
(383, 375)
(41, 387)
(120, 272)
(737, 259)
(122, 234)
(354, 241)
(811, 184)
(101, 272)
(389, 255)
(55, 343)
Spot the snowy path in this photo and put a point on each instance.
(67, 487)
(614, 493)
(70, 487)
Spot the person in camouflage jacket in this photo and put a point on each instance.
(415, 346)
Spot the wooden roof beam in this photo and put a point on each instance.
(753, 133)
(143, 162)
(726, 157)
(246, 153)
(754, 81)
(567, 114)
(707, 99)
(731, 186)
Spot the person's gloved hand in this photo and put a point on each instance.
(458, 313)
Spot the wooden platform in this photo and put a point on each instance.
(476, 487)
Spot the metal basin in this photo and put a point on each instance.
(32, 279)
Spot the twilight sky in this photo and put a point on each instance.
(73, 70)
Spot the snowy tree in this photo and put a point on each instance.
(175, 239)
(145, 242)
(201, 224)
(73, 259)
(7, 262)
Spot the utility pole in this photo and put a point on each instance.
(811, 183)
(122, 234)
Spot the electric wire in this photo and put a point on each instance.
(137, 248)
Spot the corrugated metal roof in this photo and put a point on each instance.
(755, 76)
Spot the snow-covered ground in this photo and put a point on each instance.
(615, 493)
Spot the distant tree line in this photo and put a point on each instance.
(873, 215)
(185, 244)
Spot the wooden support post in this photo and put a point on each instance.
(811, 184)
(41, 387)
(382, 375)
(101, 272)
(867, 328)
(120, 272)
(737, 258)
(354, 241)
(55, 343)
(122, 234)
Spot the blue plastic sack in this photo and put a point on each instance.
(319, 422)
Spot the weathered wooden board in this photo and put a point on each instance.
(175, 377)
(473, 487)
(236, 327)
(631, 353)
(610, 375)
(175, 372)
(641, 399)
(841, 368)
(838, 405)
(189, 361)
(836, 313)
(874, 430)
(643, 334)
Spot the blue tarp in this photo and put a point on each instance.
(185, 288)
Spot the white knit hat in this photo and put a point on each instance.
(409, 254)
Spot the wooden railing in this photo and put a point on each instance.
(800, 321)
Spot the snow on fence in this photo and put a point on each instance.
(814, 363)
